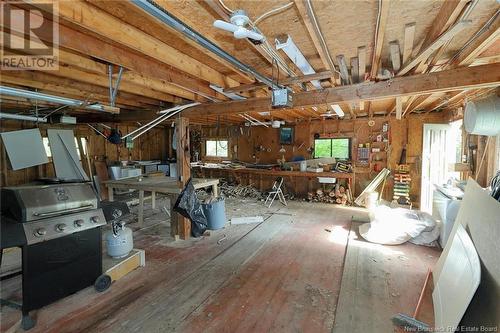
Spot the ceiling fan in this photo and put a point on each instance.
(239, 20)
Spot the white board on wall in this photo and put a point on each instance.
(24, 148)
(64, 155)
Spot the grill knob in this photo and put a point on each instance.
(79, 223)
(60, 227)
(95, 219)
(40, 232)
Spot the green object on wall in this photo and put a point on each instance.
(129, 143)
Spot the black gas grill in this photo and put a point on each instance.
(58, 228)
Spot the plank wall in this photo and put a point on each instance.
(407, 131)
(150, 146)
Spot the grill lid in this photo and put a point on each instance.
(33, 202)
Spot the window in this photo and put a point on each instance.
(46, 145)
(338, 148)
(216, 148)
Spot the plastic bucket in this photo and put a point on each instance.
(215, 213)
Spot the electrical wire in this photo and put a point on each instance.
(272, 12)
(484, 28)
(225, 7)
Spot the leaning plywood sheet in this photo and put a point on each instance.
(66, 162)
(479, 214)
(24, 148)
(461, 271)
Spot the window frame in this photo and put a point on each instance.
(349, 147)
(217, 140)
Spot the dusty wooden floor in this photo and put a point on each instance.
(283, 275)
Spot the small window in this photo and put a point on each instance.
(46, 145)
(216, 148)
(338, 148)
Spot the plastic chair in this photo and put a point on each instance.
(276, 191)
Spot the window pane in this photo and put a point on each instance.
(322, 147)
(46, 145)
(222, 148)
(77, 149)
(211, 148)
(84, 145)
(340, 148)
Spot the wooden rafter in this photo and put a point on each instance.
(321, 48)
(450, 80)
(440, 41)
(286, 82)
(479, 45)
(379, 36)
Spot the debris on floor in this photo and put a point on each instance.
(247, 219)
(240, 191)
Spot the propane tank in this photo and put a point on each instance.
(119, 241)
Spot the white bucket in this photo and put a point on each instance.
(303, 166)
(371, 200)
(483, 117)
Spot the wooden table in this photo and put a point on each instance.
(155, 185)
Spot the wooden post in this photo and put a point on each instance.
(183, 172)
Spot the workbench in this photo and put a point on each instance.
(157, 184)
(263, 178)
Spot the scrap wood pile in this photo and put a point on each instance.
(337, 195)
(240, 191)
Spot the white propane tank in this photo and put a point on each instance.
(483, 117)
(119, 241)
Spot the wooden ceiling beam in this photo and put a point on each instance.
(379, 37)
(479, 45)
(286, 82)
(436, 44)
(57, 86)
(92, 66)
(133, 15)
(97, 21)
(72, 73)
(320, 46)
(450, 80)
(89, 45)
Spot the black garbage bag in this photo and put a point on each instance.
(189, 206)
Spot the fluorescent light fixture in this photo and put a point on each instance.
(233, 96)
(338, 110)
(8, 91)
(293, 52)
(265, 113)
(315, 108)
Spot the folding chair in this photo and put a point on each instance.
(276, 191)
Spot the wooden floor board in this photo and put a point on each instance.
(378, 282)
(286, 274)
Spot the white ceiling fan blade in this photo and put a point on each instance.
(225, 26)
(254, 35)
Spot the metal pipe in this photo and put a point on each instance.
(48, 98)
(22, 117)
(256, 120)
(160, 118)
(249, 120)
(161, 14)
(168, 115)
(115, 89)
